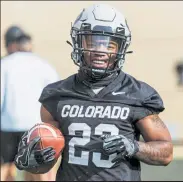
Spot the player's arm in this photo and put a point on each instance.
(46, 117)
(157, 148)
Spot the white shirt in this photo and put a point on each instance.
(23, 77)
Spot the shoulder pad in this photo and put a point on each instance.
(148, 95)
(54, 89)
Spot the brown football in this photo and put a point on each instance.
(50, 137)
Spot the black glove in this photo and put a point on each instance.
(121, 145)
(31, 159)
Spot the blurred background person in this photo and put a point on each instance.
(23, 76)
(17, 40)
(179, 71)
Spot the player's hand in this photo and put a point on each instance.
(29, 158)
(121, 145)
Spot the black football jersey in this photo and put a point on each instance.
(84, 116)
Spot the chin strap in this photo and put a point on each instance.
(69, 43)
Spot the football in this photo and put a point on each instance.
(50, 137)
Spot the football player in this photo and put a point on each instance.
(101, 110)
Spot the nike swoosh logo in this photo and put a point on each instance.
(85, 25)
(117, 93)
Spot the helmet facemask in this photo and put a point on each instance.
(98, 52)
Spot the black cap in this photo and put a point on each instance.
(14, 33)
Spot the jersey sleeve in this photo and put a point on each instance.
(153, 104)
(49, 99)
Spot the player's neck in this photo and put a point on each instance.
(88, 81)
